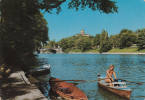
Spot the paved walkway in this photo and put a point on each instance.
(18, 87)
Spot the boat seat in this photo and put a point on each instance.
(107, 85)
(117, 85)
(65, 90)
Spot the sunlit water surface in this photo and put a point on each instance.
(87, 66)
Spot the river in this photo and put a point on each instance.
(87, 66)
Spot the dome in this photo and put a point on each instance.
(82, 32)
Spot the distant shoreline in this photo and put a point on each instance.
(113, 51)
(129, 53)
(107, 53)
(125, 53)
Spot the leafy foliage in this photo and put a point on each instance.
(23, 30)
(105, 44)
(141, 39)
(96, 42)
(76, 42)
(115, 41)
(125, 39)
(84, 44)
(106, 6)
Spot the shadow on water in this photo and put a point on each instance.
(47, 91)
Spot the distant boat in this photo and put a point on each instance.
(119, 88)
(65, 90)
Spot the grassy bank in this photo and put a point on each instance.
(79, 51)
(126, 50)
(115, 50)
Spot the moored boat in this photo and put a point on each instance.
(65, 90)
(44, 70)
(118, 88)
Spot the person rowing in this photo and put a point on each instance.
(109, 73)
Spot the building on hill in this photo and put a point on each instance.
(82, 33)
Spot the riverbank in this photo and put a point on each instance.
(112, 51)
(106, 53)
(18, 87)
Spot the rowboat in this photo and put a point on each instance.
(65, 90)
(118, 88)
(44, 70)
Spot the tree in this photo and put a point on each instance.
(106, 6)
(114, 40)
(96, 41)
(78, 42)
(23, 29)
(52, 44)
(141, 39)
(66, 44)
(84, 44)
(127, 38)
(105, 44)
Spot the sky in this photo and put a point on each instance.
(131, 15)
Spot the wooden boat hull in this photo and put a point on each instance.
(122, 93)
(67, 91)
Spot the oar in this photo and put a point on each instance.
(69, 80)
(76, 80)
(139, 83)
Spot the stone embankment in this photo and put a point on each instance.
(18, 87)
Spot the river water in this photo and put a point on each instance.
(87, 66)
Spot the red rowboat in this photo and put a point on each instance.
(66, 90)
